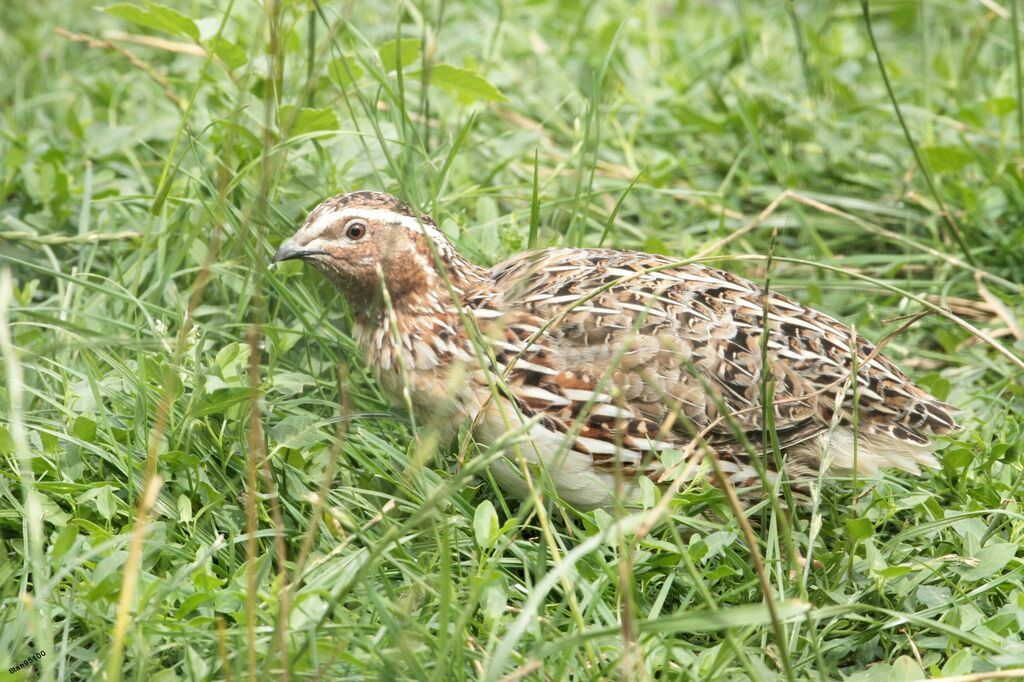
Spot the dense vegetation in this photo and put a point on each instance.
(198, 478)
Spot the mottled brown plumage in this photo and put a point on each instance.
(601, 360)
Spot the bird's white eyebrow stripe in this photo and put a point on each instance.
(380, 214)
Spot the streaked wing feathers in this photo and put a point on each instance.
(609, 344)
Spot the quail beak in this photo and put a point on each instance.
(289, 250)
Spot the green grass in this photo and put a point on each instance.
(199, 479)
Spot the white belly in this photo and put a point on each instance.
(544, 453)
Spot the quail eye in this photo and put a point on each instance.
(355, 230)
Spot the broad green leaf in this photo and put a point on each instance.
(106, 502)
(723, 571)
(876, 673)
(946, 159)
(957, 457)
(6, 442)
(309, 608)
(895, 571)
(485, 524)
(102, 498)
(296, 431)
(197, 664)
(94, 532)
(906, 669)
(184, 508)
(937, 385)
(654, 245)
(218, 401)
(392, 60)
(203, 580)
(305, 120)
(914, 499)
(230, 53)
(110, 567)
(65, 539)
(343, 71)
(291, 383)
(177, 460)
(192, 602)
(85, 429)
(859, 529)
(1001, 106)
(465, 85)
(157, 17)
(934, 596)
(716, 542)
(494, 601)
(233, 359)
(52, 512)
(991, 560)
(960, 663)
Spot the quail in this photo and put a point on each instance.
(600, 362)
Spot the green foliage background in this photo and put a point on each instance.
(151, 159)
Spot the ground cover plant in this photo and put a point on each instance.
(199, 480)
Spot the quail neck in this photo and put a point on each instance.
(599, 362)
